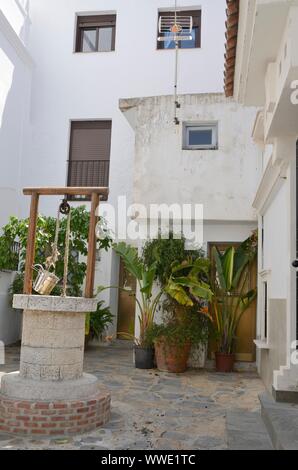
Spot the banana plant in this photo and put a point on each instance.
(148, 302)
(231, 297)
(186, 284)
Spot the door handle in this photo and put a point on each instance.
(295, 263)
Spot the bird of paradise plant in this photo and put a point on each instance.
(185, 284)
(148, 302)
(231, 297)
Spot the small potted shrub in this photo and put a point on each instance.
(97, 323)
(187, 291)
(184, 277)
(147, 304)
(174, 338)
(231, 298)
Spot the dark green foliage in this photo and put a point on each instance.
(97, 322)
(16, 231)
(165, 252)
(193, 329)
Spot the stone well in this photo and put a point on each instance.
(51, 395)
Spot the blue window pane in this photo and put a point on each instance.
(200, 137)
(169, 44)
(190, 44)
(182, 44)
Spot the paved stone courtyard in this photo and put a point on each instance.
(154, 410)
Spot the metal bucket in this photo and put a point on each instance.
(45, 281)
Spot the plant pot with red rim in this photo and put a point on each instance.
(232, 296)
(224, 362)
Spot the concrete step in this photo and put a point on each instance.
(281, 421)
(285, 396)
(246, 431)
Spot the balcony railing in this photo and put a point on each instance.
(88, 173)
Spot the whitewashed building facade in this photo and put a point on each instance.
(265, 75)
(90, 79)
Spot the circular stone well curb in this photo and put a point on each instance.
(54, 418)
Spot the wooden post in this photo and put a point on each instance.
(89, 291)
(30, 253)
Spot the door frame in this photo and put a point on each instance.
(240, 357)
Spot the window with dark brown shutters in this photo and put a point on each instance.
(96, 33)
(89, 158)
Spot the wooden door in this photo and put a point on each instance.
(246, 333)
(126, 303)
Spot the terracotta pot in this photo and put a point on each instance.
(171, 358)
(224, 362)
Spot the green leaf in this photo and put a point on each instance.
(228, 266)
(177, 292)
(130, 259)
(219, 268)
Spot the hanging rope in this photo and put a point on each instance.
(66, 255)
(52, 260)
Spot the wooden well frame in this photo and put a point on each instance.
(95, 194)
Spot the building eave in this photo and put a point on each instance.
(231, 45)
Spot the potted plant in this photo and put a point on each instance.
(232, 297)
(183, 328)
(167, 252)
(97, 323)
(147, 303)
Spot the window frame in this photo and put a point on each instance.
(188, 126)
(91, 22)
(197, 23)
(264, 306)
(86, 124)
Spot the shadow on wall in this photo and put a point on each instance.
(14, 94)
(24, 6)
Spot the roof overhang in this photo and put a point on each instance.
(260, 28)
(231, 45)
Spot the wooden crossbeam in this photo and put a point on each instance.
(66, 191)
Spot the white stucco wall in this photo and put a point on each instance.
(17, 13)
(276, 244)
(70, 86)
(15, 82)
(223, 180)
(15, 86)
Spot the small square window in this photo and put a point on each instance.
(200, 136)
(96, 33)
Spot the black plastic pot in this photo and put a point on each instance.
(144, 358)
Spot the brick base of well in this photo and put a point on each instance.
(61, 418)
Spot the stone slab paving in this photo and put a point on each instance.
(246, 430)
(281, 420)
(154, 410)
